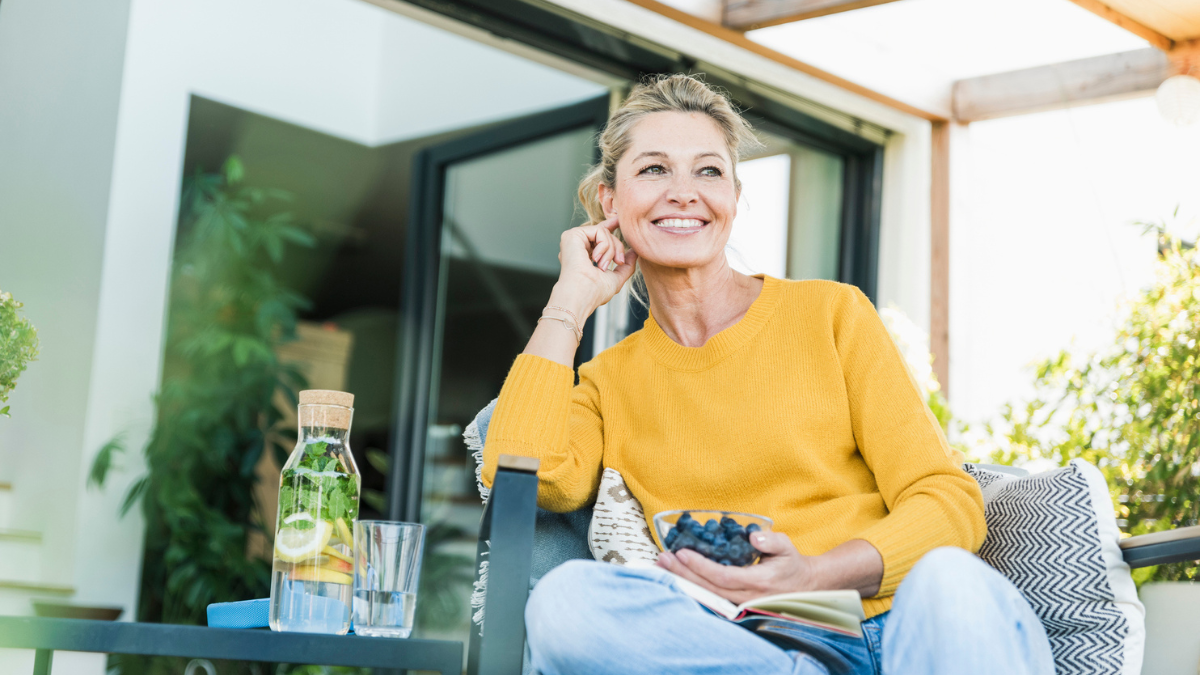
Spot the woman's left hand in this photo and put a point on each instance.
(782, 570)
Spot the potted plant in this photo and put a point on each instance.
(18, 346)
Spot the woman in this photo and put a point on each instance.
(740, 393)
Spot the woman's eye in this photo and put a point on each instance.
(711, 171)
(654, 170)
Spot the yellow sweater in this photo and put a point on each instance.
(803, 411)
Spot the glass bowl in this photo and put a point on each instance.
(664, 521)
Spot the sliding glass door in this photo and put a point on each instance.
(482, 259)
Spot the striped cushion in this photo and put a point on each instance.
(1054, 535)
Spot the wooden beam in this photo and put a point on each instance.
(740, 40)
(1047, 87)
(939, 258)
(752, 14)
(1139, 29)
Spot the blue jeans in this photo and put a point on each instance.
(952, 614)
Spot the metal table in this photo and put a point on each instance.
(158, 639)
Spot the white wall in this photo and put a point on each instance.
(60, 80)
(1042, 244)
(434, 81)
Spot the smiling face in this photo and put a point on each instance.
(675, 195)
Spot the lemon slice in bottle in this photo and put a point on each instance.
(331, 551)
(343, 532)
(310, 573)
(293, 545)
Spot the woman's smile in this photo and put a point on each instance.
(680, 224)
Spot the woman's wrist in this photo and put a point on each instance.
(574, 300)
(854, 565)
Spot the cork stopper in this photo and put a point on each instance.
(326, 408)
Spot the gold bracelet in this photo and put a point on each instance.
(566, 311)
(568, 324)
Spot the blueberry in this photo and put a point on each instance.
(720, 539)
(752, 527)
(708, 537)
(712, 526)
(695, 527)
(705, 549)
(685, 519)
(721, 550)
(671, 537)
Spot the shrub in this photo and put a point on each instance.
(1131, 409)
(18, 346)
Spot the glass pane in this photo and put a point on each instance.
(761, 227)
(815, 224)
(503, 216)
(789, 220)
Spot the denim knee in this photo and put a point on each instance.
(949, 565)
(957, 583)
(565, 601)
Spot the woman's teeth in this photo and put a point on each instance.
(679, 223)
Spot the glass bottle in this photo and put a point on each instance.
(312, 572)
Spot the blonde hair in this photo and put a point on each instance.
(661, 93)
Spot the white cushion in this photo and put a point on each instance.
(618, 532)
(1054, 535)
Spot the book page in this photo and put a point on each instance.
(809, 612)
(845, 601)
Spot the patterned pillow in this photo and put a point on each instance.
(1055, 537)
(618, 532)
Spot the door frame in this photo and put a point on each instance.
(418, 301)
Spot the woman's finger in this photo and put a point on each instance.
(602, 246)
(610, 224)
(722, 576)
(772, 543)
(671, 562)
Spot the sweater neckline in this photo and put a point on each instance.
(677, 357)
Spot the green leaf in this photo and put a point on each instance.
(338, 505)
(316, 448)
(380, 460)
(287, 496)
(104, 460)
(233, 170)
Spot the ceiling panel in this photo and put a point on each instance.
(1176, 19)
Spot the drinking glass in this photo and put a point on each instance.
(387, 568)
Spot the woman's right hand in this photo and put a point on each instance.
(587, 253)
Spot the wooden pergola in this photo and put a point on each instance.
(1172, 27)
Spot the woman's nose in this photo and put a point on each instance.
(682, 191)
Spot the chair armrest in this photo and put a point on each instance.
(506, 544)
(1160, 548)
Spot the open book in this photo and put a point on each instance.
(837, 611)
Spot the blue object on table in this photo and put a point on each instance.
(244, 614)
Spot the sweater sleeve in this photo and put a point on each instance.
(931, 501)
(541, 413)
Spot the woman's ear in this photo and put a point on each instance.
(607, 200)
